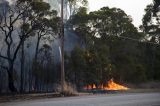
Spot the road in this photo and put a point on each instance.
(132, 99)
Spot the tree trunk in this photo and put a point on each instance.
(22, 69)
(0, 81)
(11, 85)
(35, 61)
(37, 47)
(30, 80)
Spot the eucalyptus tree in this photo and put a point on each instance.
(151, 21)
(75, 4)
(22, 14)
(156, 6)
(8, 25)
(47, 29)
(114, 26)
(105, 34)
(151, 28)
(80, 23)
(44, 68)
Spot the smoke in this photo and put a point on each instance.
(71, 40)
(56, 5)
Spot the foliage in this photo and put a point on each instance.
(108, 53)
(110, 45)
(20, 21)
(151, 27)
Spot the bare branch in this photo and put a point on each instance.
(20, 43)
(6, 58)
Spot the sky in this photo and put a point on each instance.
(134, 8)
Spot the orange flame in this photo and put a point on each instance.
(111, 85)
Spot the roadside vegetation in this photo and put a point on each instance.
(110, 47)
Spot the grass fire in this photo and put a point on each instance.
(110, 85)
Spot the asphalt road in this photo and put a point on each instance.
(132, 99)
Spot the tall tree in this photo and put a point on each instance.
(151, 28)
(107, 33)
(14, 15)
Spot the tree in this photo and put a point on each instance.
(75, 4)
(11, 16)
(44, 68)
(47, 27)
(107, 34)
(150, 27)
(77, 66)
(27, 12)
(79, 21)
(156, 6)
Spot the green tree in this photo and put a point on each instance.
(75, 4)
(108, 34)
(45, 68)
(150, 27)
(77, 66)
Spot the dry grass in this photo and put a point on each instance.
(69, 90)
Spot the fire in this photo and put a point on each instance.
(111, 85)
(90, 87)
(114, 86)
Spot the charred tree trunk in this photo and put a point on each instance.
(35, 61)
(30, 81)
(37, 47)
(11, 85)
(0, 81)
(22, 69)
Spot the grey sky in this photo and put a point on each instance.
(134, 8)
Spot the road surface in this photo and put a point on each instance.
(132, 99)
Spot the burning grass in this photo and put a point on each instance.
(110, 85)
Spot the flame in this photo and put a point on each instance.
(90, 87)
(111, 85)
(114, 86)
